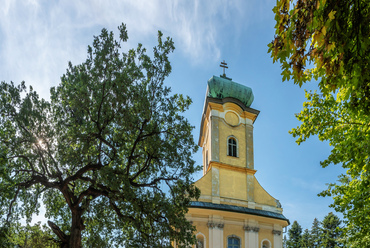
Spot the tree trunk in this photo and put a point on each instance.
(76, 229)
(74, 239)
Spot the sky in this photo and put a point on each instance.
(39, 38)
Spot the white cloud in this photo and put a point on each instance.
(38, 38)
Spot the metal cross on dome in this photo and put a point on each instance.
(224, 66)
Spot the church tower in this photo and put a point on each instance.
(233, 211)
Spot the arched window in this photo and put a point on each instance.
(233, 242)
(200, 241)
(232, 147)
(266, 244)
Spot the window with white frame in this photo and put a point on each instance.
(232, 147)
(266, 244)
(200, 241)
(233, 242)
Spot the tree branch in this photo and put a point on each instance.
(61, 235)
(80, 172)
(138, 138)
(119, 214)
(146, 165)
(39, 179)
(153, 182)
(27, 160)
(11, 204)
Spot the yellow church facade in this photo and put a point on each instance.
(234, 210)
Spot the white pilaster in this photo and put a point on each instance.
(216, 232)
(278, 237)
(246, 240)
(251, 234)
(210, 232)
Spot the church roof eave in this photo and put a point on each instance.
(238, 209)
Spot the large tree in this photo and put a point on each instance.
(294, 236)
(331, 231)
(316, 233)
(328, 41)
(110, 155)
(306, 239)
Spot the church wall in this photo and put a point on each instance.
(216, 226)
(236, 230)
(261, 196)
(233, 184)
(264, 234)
(202, 230)
(225, 131)
(206, 146)
(221, 122)
(204, 183)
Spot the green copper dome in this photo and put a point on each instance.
(220, 87)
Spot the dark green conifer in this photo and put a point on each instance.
(306, 240)
(316, 233)
(331, 231)
(294, 236)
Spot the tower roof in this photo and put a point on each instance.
(222, 87)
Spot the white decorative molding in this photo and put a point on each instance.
(216, 234)
(251, 229)
(215, 225)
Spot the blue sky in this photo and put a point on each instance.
(38, 38)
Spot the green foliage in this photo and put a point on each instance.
(331, 231)
(306, 239)
(5, 236)
(316, 233)
(36, 236)
(323, 234)
(328, 41)
(110, 155)
(294, 236)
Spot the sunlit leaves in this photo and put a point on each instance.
(328, 41)
(326, 35)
